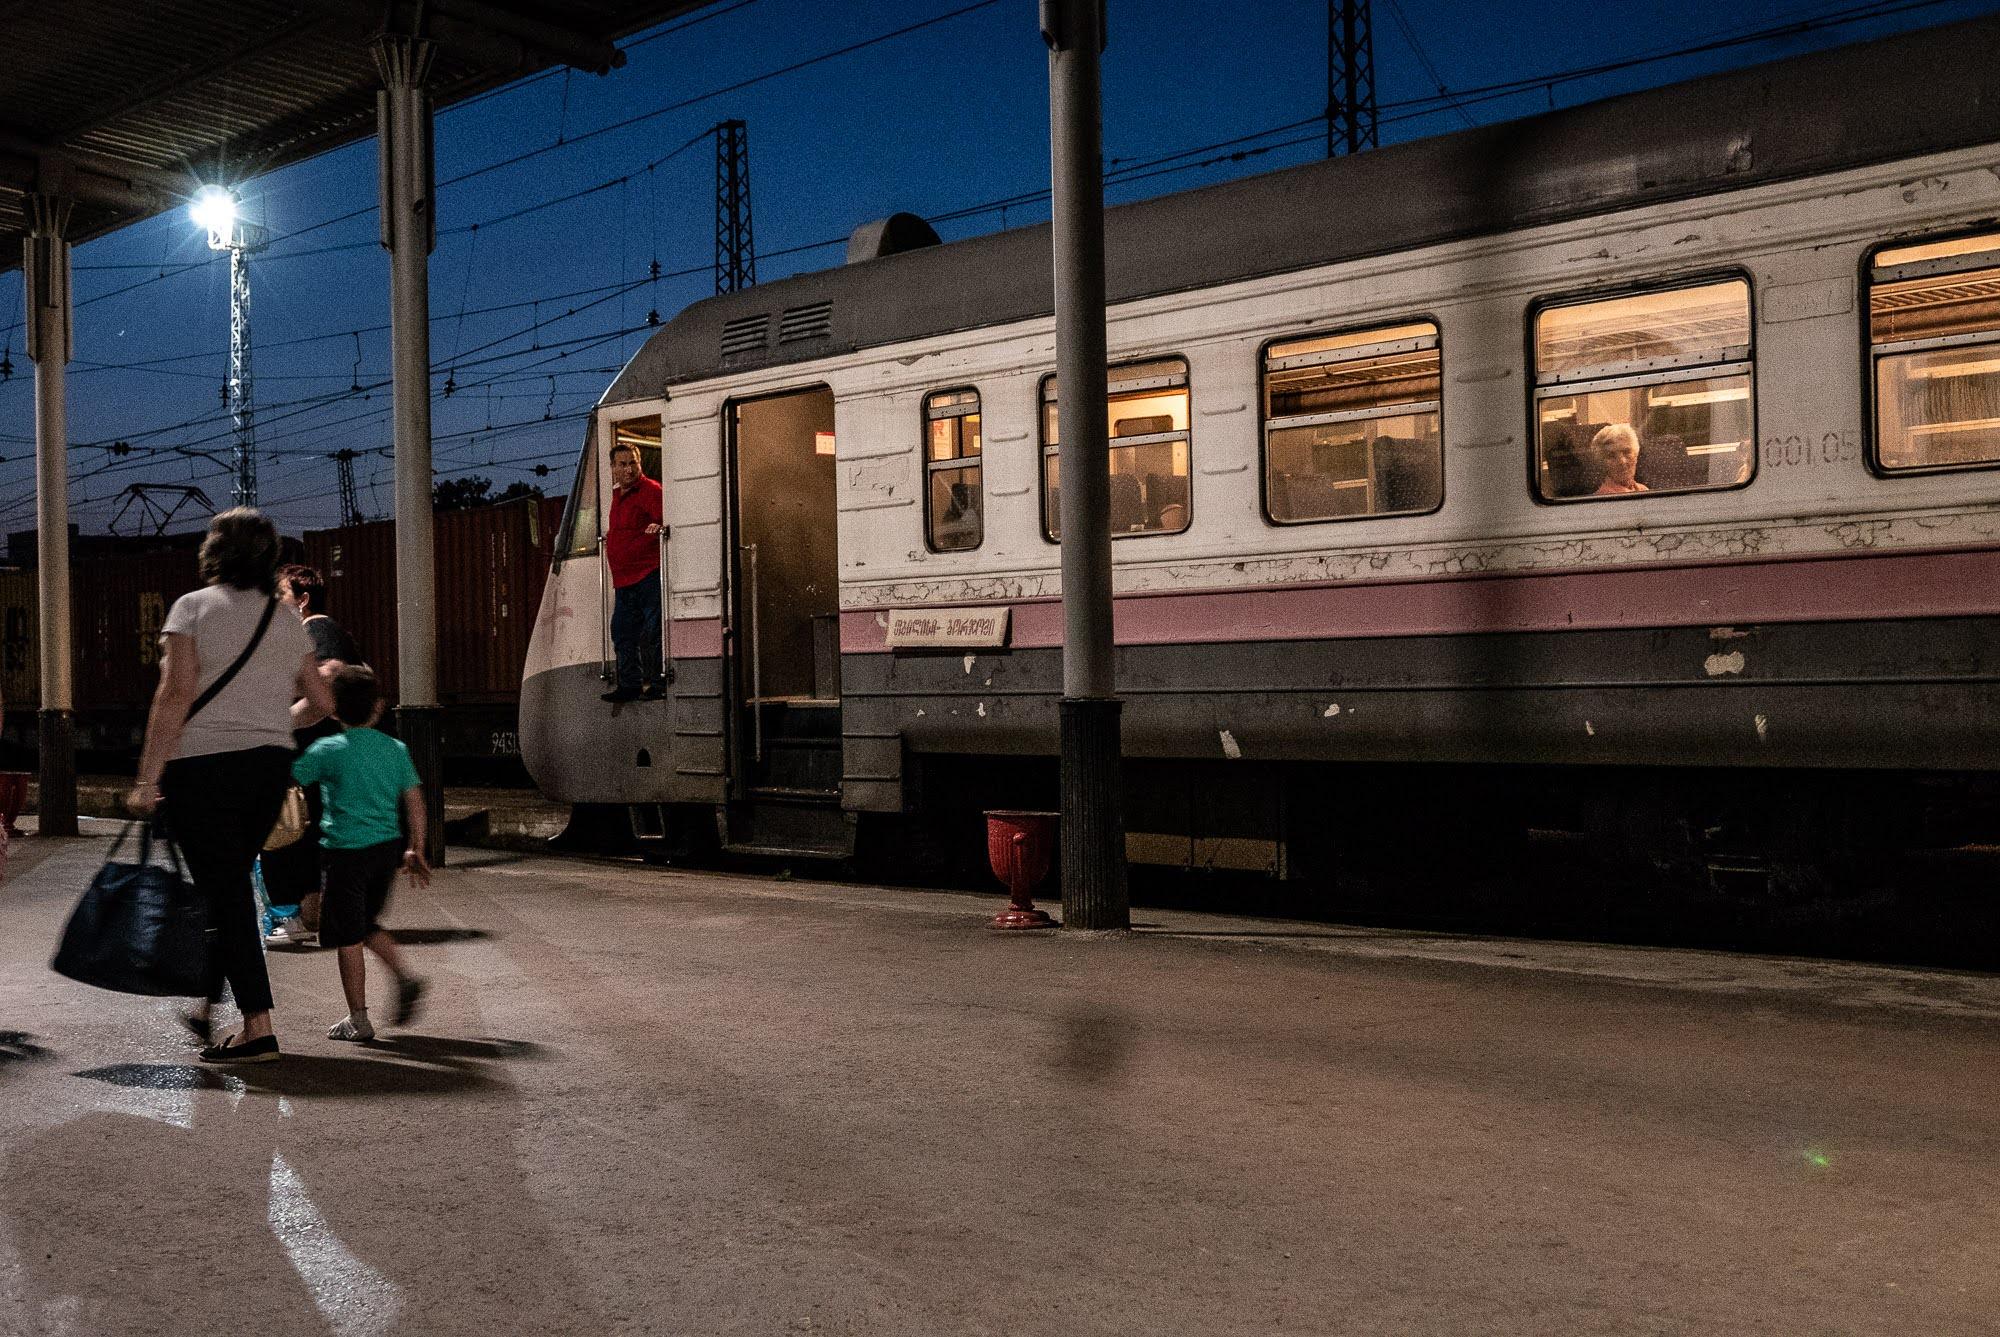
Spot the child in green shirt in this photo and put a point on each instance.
(373, 825)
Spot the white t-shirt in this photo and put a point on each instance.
(255, 709)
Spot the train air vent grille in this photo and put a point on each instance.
(745, 334)
(806, 322)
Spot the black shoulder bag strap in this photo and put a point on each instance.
(256, 639)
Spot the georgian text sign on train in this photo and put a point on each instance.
(947, 628)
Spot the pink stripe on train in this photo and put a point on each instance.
(1817, 589)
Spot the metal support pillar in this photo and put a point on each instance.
(1093, 823)
(409, 232)
(51, 343)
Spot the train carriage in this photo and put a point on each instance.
(1449, 481)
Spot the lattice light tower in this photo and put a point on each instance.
(1350, 77)
(735, 252)
(215, 209)
(350, 497)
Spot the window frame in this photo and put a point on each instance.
(1870, 401)
(1042, 447)
(1668, 370)
(929, 466)
(1264, 418)
(565, 532)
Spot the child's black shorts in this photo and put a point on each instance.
(357, 888)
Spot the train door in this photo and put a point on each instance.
(784, 626)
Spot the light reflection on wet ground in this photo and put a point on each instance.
(651, 1101)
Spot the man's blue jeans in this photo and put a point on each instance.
(635, 632)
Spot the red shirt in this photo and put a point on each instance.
(633, 553)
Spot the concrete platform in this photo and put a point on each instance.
(651, 1101)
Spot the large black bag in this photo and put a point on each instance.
(140, 928)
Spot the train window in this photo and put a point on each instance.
(1351, 425)
(643, 435)
(954, 502)
(1148, 419)
(1647, 393)
(580, 525)
(1934, 337)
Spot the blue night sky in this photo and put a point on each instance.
(950, 116)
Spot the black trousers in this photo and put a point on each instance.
(219, 808)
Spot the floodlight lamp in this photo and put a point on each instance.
(214, 209)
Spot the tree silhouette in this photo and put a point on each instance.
(460, 494)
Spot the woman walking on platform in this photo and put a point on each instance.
(235, 679)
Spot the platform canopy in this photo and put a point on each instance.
(127, 106)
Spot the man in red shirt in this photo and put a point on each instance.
(632, 548)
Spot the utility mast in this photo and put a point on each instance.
(735, 252)
(1350, 77)
(216, 210)
(350, 499)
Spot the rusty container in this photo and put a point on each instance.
(491, 565)
(358, 563)
(20, 628)
(119, 602)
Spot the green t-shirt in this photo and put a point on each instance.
(362, 774)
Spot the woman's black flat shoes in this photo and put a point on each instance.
(261, 1050)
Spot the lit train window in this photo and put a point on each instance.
(583, 525)
(1149, 450)
(643, 435)
(1351, 425)
(1646, 393)
(954, 501)
(1934, 335)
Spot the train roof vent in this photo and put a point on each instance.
(806, 322)
(746, 334)
(889, 236)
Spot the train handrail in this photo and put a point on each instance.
(604, 659)
(666, 607)
(756, 659)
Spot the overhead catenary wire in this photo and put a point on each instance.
(572, 140)
(1402, 22)
(1129, 170)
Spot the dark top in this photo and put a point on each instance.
(331, 641)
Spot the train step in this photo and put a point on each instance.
(807, 824)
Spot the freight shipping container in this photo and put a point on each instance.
(20, 682)
(491, 564)
(119, 595)
(119, 602)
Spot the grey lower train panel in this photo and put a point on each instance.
(580, 749)
(1919, 694)
(1906, 694)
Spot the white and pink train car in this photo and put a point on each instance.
(1636, 464)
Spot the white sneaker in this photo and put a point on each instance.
(347, 1028)
(289, 932)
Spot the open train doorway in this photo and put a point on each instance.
(784, 616)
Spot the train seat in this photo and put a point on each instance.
(1315, 496)
(1164, 493)
(1409, 473)
(1128, 504)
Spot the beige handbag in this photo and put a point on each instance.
(291, 823)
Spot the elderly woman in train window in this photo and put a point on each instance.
(1617, 449)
